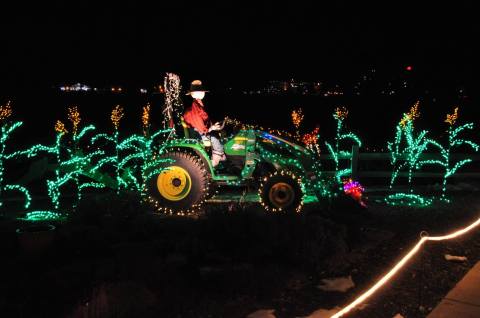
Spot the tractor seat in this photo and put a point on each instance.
(189, 132)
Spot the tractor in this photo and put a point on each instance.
(282, 171)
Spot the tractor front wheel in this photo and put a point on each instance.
(281, 191)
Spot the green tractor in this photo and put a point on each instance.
(282, 171)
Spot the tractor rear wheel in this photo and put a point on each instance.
(182, 186)
(281, 191)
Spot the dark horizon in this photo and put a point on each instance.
(228, 43)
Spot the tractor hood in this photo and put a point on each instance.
(281, 141)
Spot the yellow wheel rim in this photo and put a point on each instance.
(174, 183)
(281, 195)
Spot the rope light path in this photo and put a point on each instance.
(424, 238)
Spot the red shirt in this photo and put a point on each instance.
(196, 117)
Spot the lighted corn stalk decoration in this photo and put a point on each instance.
(144, 159)
(115, 159)
(7, 129)
(450, 166)
(340, 114)
(408, 146)
(71, 162)
(136, 158)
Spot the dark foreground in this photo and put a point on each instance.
(115, 259)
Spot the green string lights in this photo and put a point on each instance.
(135, 159)
(7, 128)
(40, 216)
(407, 147)
(445, 151)
(408, 199)
(340, 114)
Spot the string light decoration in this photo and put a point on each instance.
(413, 114)
(135, 159)
(407, 147)
(340, 114)
(71, 162)
(60, 128)
(249, 126)
(355, 190)
(7, 128)
(116, 116)
(311, 139)
(401, 264)
(297, 119)
(173, 106)
(74, 117)
(39, 216)
(450, 167)
(294, 178)
(5, 111)
(408, 199)
(146, 119)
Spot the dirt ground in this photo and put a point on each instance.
(119, 260)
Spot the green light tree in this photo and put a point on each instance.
(454, 141)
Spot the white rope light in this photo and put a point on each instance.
(401, 264)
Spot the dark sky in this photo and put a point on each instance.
(233, 40)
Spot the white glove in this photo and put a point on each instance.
(216, 126)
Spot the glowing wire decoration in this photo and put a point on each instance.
(340, 114)
(5, 111)
(134, 159)
(355, 190)
(116, 117)
(74, 117)
(146, 119)
(407, 147)
(445, 151)
(6, 130)
(36, 216)
(395, 269)
(297, 119)
(173, 108)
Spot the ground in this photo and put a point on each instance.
(114, 258)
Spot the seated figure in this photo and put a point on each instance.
(197, 118)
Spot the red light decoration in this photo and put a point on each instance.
(355, 190)
(311, 139)
(409, 68)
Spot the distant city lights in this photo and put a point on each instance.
(78, 87)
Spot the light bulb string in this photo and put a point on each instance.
(424, 237)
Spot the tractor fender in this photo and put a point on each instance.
(198, 151)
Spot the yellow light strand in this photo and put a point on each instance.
(60, 127)
(74, 117)
(452, 118)
(297, 117)
(341, 112)
(116, 117)
(146, 118)
(413, 114)
(401, 264)
(5, 111)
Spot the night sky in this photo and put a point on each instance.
(232, 41)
